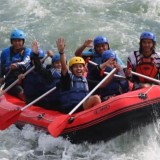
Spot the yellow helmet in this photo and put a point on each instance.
(76, 60)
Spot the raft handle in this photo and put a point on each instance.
(40, 116)
(142, 96)
(71, 119)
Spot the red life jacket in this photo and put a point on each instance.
(148, 69)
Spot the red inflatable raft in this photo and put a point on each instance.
(102, 122)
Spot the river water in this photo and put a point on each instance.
(122, 21)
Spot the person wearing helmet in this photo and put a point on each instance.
(73, 84)
(56, 61)
(14, 60)
(53, 99)
(41, 79)
(145, 61)
(33, 83)
(116, 86)
(100, 44)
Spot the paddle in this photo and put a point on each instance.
(60, 122)
(146, 77)
(16, 81)
(11, 117)
(5, 77)
(115, 75)
(134, 73)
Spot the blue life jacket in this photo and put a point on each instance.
(54, 97)
(56, 73)
(97, 58)
(7, 58)
(78, 90)
(115, 87)
(22, 59)
(34, 85)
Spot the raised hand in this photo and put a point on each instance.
(60, 45)
(50, 53)
(35, 47)
(88, 43)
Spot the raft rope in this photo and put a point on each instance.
(42, 115)
(39, 116)
(115, 99)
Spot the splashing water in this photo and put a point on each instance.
(121, 21)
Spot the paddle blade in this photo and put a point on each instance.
(9, 118)
(58, 125)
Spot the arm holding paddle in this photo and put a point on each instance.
(27, 72)
(99, 70)
(2, 80)
(129, 73)
(60, 123)
(77, 68)
(12, 116)
(106, 73)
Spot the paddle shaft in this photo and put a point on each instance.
(134, 73)
(43, 95)
(15, 82)
(12, 116)
(146, 77)
(5, 77)
(115, 75)
(91, 92)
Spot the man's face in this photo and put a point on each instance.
(100, 48)
(147, 45)
(17, 43)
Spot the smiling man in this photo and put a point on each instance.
(14, 59)
(146, 61)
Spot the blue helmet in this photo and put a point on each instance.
(100, 39)
(148, 35)
(55, 58)
(41, 53)
(17, 34)
(108, 54)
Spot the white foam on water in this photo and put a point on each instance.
(141, 143)
(32, 7)
(122, 21)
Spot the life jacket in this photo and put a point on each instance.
(113, 88)
(146, 68)
(53, 97)
(56, 75)
(34, 85)
(8, 57)
(97, 58)
(78, 90)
